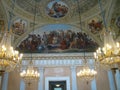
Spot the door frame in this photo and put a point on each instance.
(47, 79)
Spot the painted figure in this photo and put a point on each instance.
(95, 26)
(19, 27)
(57, 10)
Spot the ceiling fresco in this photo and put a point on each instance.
(28, 5)
(61, 17)
(57, 9)
(69, 10)
(19, 26)
(57, 38)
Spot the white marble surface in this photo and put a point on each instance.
(5, 81)
(73, 76)
(40, 83)
(111, 80)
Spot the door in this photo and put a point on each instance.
(57, 85)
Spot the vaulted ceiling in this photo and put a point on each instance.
(89, 11)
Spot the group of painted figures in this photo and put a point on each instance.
(56, 40)
(57, 10)
(19, 27)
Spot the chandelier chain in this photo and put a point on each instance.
(31, 73)
(102, 14)
(86, 73)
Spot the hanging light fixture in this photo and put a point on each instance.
(31, 74)
(86, 73)
(9, 58)
(108, 57)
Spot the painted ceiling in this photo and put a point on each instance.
(54, 18)
(28, 5)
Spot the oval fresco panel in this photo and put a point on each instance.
(57, 9)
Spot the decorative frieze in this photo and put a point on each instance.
(66, 59)
(56, 56)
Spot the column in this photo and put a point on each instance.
(111, 80)
(74, 81)
(22, 85)
(5, 81)
(93, 85)
(40, 83)
(0, 81)
(117, 78)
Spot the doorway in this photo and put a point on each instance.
(57, 85)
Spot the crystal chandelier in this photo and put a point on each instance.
(87, 73)
(108, 57)
(9, 58)
(30, 74)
